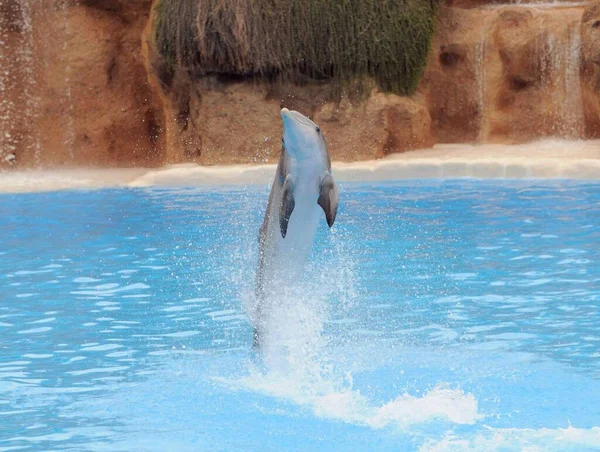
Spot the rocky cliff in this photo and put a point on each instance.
(73, 85)
(81, 84)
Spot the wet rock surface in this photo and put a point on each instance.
(506, 74)
(75, 87)
(84, 86)
(590, 75)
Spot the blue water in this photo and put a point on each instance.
(457, 315)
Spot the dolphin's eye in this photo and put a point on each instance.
(318, 130)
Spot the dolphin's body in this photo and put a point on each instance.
(303, 186)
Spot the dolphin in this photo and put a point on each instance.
(303, 186)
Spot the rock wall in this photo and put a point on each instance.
(81, 84)
(508, 72)
(74, 88)
(218, 121)
(590, 74)
(498, 3)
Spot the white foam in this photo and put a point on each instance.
(441, 402)
(544, 439)
(339, 401)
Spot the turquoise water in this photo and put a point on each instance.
(457, 315)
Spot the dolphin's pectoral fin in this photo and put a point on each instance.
(287, 205)
(328, 198)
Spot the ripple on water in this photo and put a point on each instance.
(46, 320)
(176, 308)
(35, 330)
(100, 348)
(196, 300)
(97, 370)
(31, 272)
(181, 334)
(109, 289)
(75, 359)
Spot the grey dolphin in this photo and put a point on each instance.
(303, 186)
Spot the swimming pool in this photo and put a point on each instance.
(436, 315)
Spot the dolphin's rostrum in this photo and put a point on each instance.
(303, 186)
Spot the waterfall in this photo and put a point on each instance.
(564, 83)
(31, 99)
(8, 139)
(69, 137)
(572, 118)
(19, 100)
(25, 78)
(543, 52)
(480, 73)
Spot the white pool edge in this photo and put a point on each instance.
(369, 171)
(551, 159)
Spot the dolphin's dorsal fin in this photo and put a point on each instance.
(328, 197)
(287, 204)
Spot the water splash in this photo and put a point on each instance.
(301, 363)
(301, 360)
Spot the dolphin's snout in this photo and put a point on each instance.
(284, 112)
(291, 118)
(301, 136)
(288, 119)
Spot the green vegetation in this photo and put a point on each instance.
(296, 40)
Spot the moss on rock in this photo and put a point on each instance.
(298, 40)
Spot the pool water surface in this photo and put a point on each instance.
(435, 315)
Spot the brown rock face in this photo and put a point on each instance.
(15, 107)
(76, 85)
(83, 85)
(538, 92)
(590, 76)
(239, 123)
(507, 74)
(381, 125)
(213, 120)
(451, 81)
(484, 3)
